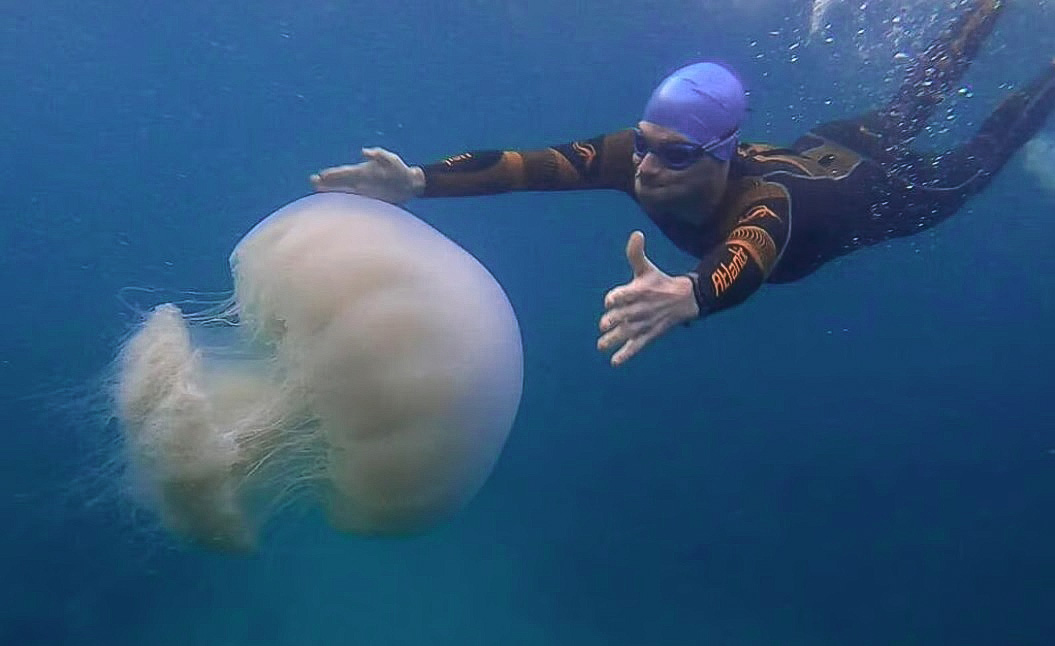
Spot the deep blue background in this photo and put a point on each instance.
(865, 457)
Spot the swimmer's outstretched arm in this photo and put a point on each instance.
(604, 162)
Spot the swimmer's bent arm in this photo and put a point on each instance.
(736, 268)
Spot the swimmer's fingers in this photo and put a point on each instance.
(385, 159)
(357, 178)
(337, 178)
(629, 349)
(382, 175)
(627, 329)
(627, 339)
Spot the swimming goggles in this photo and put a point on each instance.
(679, 155)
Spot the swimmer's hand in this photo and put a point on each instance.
(383, 176)
(646, 307)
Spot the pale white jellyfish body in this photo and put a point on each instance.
(387, 369)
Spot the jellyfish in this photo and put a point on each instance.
(364, 361)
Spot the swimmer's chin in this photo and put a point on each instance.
(655, 197)
(653, 191)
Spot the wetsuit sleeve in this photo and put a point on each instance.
(604, 162)
(738, 266)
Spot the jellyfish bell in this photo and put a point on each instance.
(406, 346)
(384, 372)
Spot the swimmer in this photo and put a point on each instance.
(751, 213)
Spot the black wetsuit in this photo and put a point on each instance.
(786, 211)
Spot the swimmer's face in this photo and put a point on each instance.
(692, 192)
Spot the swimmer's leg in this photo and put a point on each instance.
(934, 73)
(1015, 121)
(940, 185)
(883, 134)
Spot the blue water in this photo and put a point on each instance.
(864, 457)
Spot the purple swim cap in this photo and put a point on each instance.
(705, 102)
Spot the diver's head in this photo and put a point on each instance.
(686, 138)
